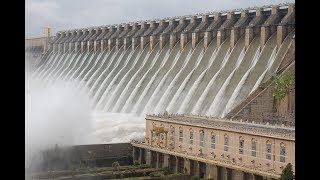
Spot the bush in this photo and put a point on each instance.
(209, 179)
(156, 174)
(116, 166)
(136, 163)
(165, 170)
(195, 178)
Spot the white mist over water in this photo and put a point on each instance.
(60, 114)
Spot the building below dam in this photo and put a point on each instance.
(218, 88)
(216, 148)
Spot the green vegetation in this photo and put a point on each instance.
(282, 85)
(195, 178)
(287, 173)
(136, 163)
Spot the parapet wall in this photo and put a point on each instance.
(263, 21)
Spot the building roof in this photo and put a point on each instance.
(255, 128)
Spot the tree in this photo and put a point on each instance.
(287, 173)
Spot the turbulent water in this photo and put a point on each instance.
(113, 91)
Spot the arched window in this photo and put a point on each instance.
(241, 145)
(268, 150)
(254, 148)
(226, 142)
(171, 133)
(191, 136)
(282, 152)
(180, 134)
(213, 141)
(201, 138)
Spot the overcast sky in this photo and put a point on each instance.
(69, 14)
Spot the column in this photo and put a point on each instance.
(211, 171)
(157, 162)
(187, 166)
(195, 39)
(165, 160)
(196, 168)
(184, 40)
(237, 175)
(176, 164)
(248, 37)
(140, 156)
(207, 39)
(148, 157)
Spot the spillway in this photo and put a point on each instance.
(201, 65)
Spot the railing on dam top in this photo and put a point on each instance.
(262, 20)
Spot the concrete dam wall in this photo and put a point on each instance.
(204, 64)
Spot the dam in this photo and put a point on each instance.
(204, 64)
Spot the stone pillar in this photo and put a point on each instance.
(163, 40)
(71, 47)
(135, 43)
(176, 165)
(90, 46)
(83, 46)
(126, 42)
(281, 34)
(266, 31)
(234, 36)
(220, 37)
(65, 47)
(221, 34)
(157, 162)
(196, 169)
(110, 44)
(207, 39)
(143, 41)
(226, 173)
(248, 37)
(211, 171)
(195, 39)
(264, 35)
(237, 32)
(77, 46)
(148, 156)
(140, 156)
(134, 153)
(187, 166)
(153, 42)
(104, 44)
(165, 160)
(60, 48)
(173, 40)
(237, 175)
(96, 45)
(184, 40)
(118, 43)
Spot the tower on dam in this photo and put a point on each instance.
(208, 68)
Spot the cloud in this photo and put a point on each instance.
(62, 15)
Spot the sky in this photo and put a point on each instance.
(70, 14)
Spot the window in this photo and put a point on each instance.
(180, 134)
(282, 153)
(241, 144)
(213, 141)
(226, 142)
(191, 136)
(202, 138)
(268, 150)
(171, 133)
(253, 148)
